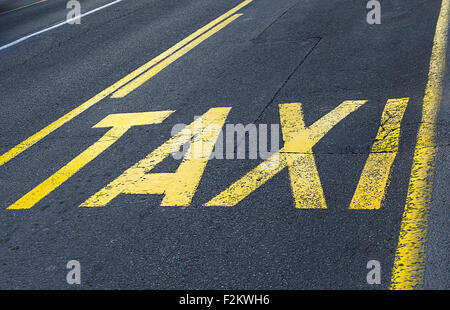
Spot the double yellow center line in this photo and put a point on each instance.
(133, 80)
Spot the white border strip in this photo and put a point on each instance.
(57, 25)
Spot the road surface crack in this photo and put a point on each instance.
(277, 92)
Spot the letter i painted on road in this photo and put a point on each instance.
(375, 177)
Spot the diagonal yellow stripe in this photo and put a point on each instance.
(22, 7)
(128, 88)
(24, 145)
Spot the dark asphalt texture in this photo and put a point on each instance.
(316, 52)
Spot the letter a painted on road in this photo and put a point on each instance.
(178, 188)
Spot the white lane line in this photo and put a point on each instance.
(57, 25)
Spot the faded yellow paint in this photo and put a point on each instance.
(120, 124)
(375, 177)
(178, 187)
(38, 136)
(296, 154)
(22, 7)
(409, 264)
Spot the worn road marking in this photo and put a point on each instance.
(409, 263)
(296, 154)
(22, 7)
(374, 179)
(120, 124)
(111, 89)
(179, 187)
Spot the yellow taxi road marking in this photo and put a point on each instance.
(111, 89)
(409, 264)
(22, 7)
(296, 154)
(202, 135)
(120, 124)
(128, 88)
(374, 179)
(179, 187)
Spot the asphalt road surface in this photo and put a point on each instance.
(88, 120)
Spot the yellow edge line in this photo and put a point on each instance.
(409, 264)
(22, 7)
(111, 89)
